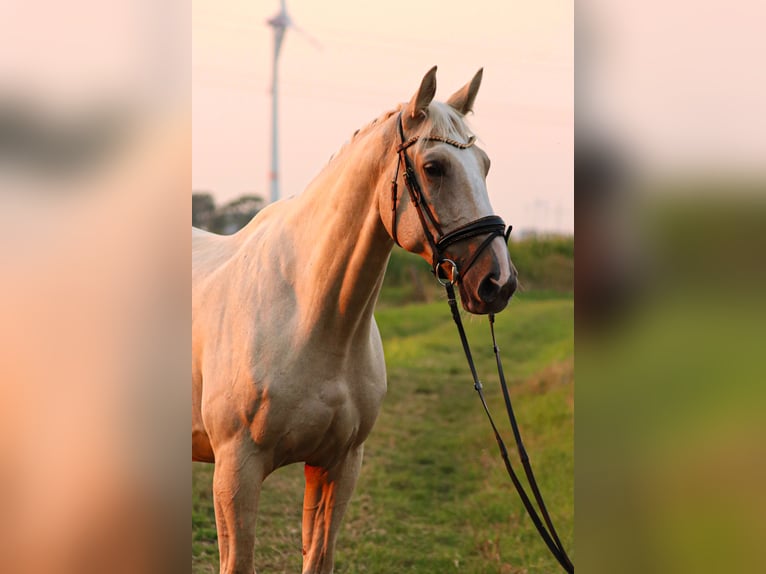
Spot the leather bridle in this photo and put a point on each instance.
(439, 242)
(492, 226)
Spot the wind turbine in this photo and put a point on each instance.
(280, 22)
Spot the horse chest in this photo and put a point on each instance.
(313, 425)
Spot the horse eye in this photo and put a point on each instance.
(433, 169)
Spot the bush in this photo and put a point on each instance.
(544, 263)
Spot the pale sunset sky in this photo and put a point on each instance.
(373, 56)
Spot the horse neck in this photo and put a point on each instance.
(343, 246)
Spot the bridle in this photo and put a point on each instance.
(439, 242)
(493, 226)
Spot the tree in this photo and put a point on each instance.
(225, 219)
(234, 215)
(203, 210)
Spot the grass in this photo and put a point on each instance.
(433, 496)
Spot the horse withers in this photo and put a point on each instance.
(287, 361)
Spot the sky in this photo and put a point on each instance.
(681, 84)
(372, 56)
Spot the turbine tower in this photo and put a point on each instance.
(280, 22)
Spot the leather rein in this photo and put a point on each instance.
(492, 226)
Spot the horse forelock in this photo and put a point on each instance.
(443, 121)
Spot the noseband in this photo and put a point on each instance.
(491, 225)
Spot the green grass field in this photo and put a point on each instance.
(434, 496)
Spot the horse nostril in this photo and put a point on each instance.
(489, 289)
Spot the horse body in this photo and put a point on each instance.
(288, 363)
(300, 375)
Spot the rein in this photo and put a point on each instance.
(549, 534)
(493, 226)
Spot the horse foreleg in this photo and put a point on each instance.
(328, 492)
(237, 483)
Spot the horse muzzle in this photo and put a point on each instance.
(490, 283)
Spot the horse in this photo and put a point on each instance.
(287, 361)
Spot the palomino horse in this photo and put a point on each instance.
(287, 360)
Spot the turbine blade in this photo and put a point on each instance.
(306, 36)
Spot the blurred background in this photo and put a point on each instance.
(95, 171)
(670, 175)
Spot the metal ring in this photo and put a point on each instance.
(455, 272)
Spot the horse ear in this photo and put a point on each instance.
(462, 100)
(419, 102)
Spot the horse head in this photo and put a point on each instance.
(438, 198)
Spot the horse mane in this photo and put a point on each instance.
(443, 121)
